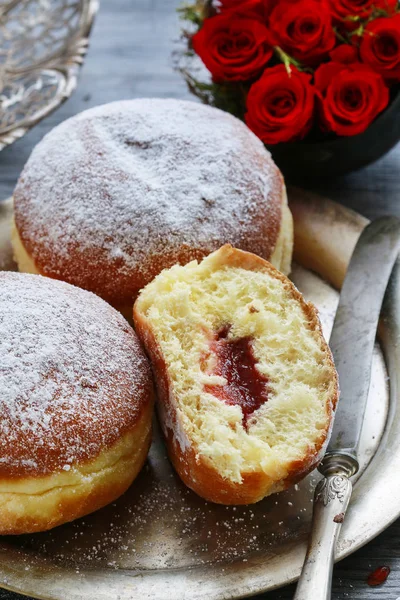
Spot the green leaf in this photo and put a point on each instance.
(353, 18)
(288, 61)
(194, 13)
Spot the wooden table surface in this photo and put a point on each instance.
(130, 56)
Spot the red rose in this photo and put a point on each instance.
(380, 47)
(390, 6)
(345, 54)
(232, 49)
(303, 29)
(352, 96)
(251, 8)
(343, 9)
(280, 106)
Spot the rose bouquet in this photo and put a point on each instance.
(311, 70)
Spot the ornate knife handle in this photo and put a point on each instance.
(331, 499)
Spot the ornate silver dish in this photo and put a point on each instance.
(162, 541)
(42, 46)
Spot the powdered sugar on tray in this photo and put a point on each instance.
(72, 375)
(141, 178)
(161, 524)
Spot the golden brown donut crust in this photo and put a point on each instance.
(88, 212)
(38, 503)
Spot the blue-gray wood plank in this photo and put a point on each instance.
(130, 56)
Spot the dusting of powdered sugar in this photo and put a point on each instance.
(120, 187)
(73, 376)
(161, 524)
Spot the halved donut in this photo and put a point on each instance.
(246, 382)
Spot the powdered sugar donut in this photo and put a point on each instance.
(114, 195)
(75, 401)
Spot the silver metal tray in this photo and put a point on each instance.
(160, 541)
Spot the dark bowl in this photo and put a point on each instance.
(304, 160)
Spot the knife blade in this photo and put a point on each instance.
(352, 343)
(354, 330)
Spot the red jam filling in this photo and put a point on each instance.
(246, 386)
(378, 576)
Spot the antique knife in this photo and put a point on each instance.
(352, 344)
